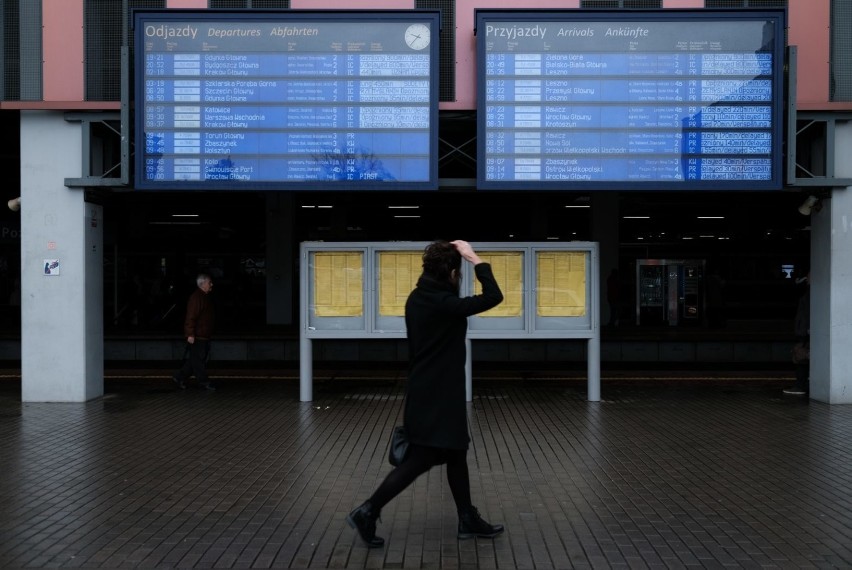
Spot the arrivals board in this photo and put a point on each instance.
(286, 100)
(665, 99)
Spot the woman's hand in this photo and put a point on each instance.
(466, 251)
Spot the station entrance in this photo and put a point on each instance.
(156, 242)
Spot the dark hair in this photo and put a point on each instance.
(440, 259)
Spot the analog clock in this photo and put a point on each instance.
(417, 36)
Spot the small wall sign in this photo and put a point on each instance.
(51, 267)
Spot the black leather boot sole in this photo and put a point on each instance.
(496, 530)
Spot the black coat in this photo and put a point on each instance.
(436, 321)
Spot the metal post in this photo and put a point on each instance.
(792, 125)
(125, 116)
(594, 369)
(306, 370)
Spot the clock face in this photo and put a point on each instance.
(417, 36)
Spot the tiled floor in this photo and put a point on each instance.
(660, 474)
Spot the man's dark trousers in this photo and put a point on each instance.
(196, 362)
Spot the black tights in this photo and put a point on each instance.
(419, 460)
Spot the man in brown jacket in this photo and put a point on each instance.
(197, 329)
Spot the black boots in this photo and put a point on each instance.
(363, 519)
(471, 524)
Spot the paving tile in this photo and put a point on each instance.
(248, 477)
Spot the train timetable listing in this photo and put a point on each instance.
(292, 91)
(270, 65)
(310, 97)
(647, 168)
(286, 117)
(676, 116)
(627, 142)
(316, 143)
(615, 64)
(656, 97)
(628, 90)
(320, 167)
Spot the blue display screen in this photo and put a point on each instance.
(302, 100)
(667, 99)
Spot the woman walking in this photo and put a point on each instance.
(435, 415)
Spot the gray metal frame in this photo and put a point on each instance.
(830, 119)
(368, 325)
(106, 175)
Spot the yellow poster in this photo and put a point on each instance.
(398, 274)
(339, 283)
(508, 267)
(561, 284)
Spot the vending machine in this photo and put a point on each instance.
(670, 292)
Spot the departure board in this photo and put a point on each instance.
(662, 99)
(331, 100)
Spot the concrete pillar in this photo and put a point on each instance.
(62, 356)
(831, 285)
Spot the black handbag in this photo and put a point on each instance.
(398, 446)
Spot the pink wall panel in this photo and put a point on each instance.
(808, 28)
(683, 3)
(466, 43)
(62, 48)
(352, 4)
(186, 3)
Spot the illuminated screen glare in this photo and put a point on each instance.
(302, 100)
(669, 99)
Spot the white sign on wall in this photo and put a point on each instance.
(51, 267)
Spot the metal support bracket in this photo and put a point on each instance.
(811, 140)
(98, 130)
(106, 141)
